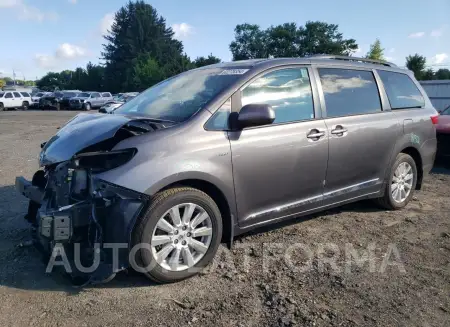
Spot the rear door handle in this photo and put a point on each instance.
(339, 130)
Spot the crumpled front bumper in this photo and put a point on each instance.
(111, 214)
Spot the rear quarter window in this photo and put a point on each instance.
(25, 94)
(401, 90)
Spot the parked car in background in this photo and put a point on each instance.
(218, 151)
(109, 107)
(14, 100)
(443, 133)
(89, 100)
(26, 98)
(57, 100)
(35, 99)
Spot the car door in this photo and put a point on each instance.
(361, 131)
(96, 99)
(18, 99)
(8, 100)
(279, 169)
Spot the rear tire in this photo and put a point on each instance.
(401, 184)
(187, 254)
(25, 105)
(58, 106)
(2, 107)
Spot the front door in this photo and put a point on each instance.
(279, 169)
(361, 134)
(8, 100)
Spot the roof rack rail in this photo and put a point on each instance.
(348, 58)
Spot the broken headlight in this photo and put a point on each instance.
(102, 161)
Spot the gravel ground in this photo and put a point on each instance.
(308, 272)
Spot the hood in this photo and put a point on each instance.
(87, 130)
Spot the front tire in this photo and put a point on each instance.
(183, 229)
(401, 184)
(87, 106)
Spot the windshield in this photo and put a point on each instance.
(39, 94)
(83, 95)
(178, 98)
(57, 94)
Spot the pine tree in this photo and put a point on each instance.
(376, 52)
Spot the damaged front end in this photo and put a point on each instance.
(72, 209)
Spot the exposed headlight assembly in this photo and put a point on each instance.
(103, 161)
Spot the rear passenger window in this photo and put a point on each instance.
(17, 94)
(288, 91)
(349, 92)
(25, 94)
(401, 90)
(106, 95)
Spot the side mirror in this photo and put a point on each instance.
(440, 111)
(255, 115)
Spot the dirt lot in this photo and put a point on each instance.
(273, 277)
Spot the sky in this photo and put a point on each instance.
(39, 36)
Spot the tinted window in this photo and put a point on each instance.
(17, 94)
(83, 95)
(95, 95)
(446, 112)
(349, 92)
(8, 95)
(25, 94)
(2, 94)
(106, 95)
(288, 91)
(401, 90)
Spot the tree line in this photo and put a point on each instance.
(141, 50)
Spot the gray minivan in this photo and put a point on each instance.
(217, 151)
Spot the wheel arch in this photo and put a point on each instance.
(415, 154)
(219, 198)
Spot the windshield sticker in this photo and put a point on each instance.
(234, 72)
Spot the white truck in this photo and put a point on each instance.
(14, 100)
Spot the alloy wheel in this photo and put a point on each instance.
(181, 237)
(402, 182)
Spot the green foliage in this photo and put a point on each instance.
(139, 31)
(202, 61)
(89, 79)
(2, 83)
(289, 40)
(428, 74)
(416, 63)
(442, 73)
(376, 52)
(146, 72)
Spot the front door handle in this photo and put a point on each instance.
(315, 134)
(339, 130)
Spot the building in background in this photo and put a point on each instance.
(439, 92)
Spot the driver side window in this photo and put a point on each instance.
(288, 91)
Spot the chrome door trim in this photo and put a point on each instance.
(292, 205)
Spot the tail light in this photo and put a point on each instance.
(435, 119)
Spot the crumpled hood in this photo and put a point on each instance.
(80, 132)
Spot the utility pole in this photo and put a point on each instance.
(14, 77)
